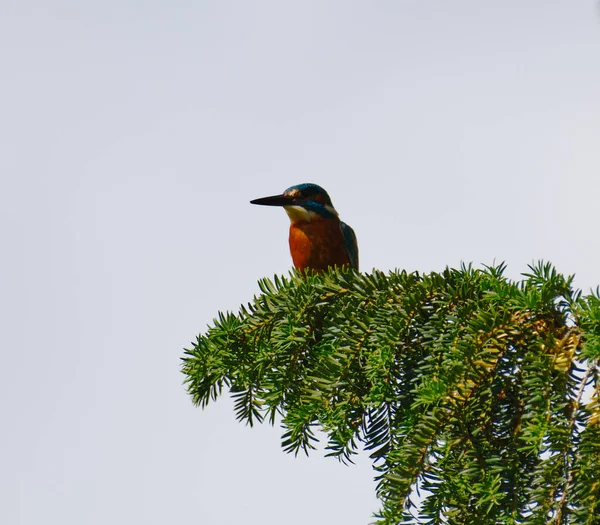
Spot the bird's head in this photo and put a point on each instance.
(303, 203)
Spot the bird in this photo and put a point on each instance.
(318, 238)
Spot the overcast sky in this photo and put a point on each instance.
(133, 135)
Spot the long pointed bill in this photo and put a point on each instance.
(275, 200)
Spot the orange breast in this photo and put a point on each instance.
(317, 244)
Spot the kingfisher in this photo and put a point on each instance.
(318, 239)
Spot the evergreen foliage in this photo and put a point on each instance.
(478, 398)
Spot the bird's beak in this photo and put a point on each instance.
(275, 200)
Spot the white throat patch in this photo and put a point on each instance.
(300, 214)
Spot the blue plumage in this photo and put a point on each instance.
(350, 244)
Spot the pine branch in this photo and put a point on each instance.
(465, 387)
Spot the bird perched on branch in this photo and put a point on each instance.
(318, 239)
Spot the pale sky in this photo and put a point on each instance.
(133, 135)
